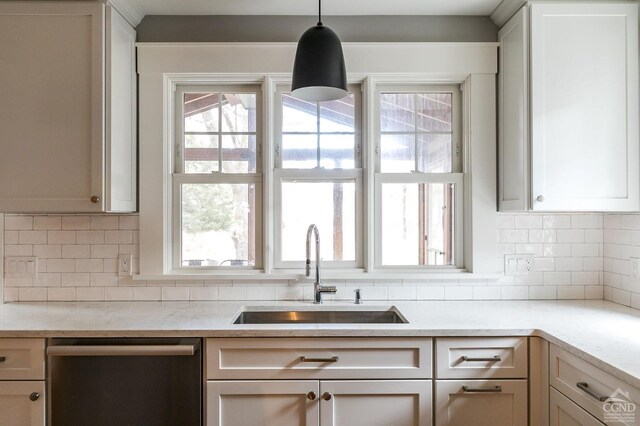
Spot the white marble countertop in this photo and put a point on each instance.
(604, 334)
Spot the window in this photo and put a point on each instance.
(318, 178)
(418, 177)
(217, 180)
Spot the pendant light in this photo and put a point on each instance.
(319, 72)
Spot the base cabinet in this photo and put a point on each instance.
(481, 402)
(324, 403)
(22, 403)
(563, 412)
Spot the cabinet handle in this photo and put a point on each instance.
(95, 199)
(3, 358)
(311, 396)
(34, 396)
(332, 359)
(539, 198)
(496, 388)
(489, 359)
(584, 387)
(326, 396)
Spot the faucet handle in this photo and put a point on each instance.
(358, 293)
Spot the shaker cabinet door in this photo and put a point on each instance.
(262, 403)
(375, 403)
(584, 107)
(51, 109)
(22, 403)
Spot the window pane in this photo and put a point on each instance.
(299, 151)
(238, 153)
(434, 112)
(397, 112)
(338, 116)
(337, 151)
(434, 153)
(200, 153)
(218, 224)
(201, 112)
(239, 112)
(417, 224)
(397, 153)
(331, 207)
(299, 115)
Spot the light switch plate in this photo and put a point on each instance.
(21, 267)
(518, 264)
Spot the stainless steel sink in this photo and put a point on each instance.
(371, 316)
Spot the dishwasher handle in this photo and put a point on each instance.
(123, 350)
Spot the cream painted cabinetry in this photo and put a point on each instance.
(481, 381)
(68, 108)
(22, 386)
(568, 108)
(357, 382)
(600, 397)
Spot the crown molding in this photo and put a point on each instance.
(128, 11)
(505, 10)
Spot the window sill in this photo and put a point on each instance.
(325, 275)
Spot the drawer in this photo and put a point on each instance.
(481, 358)
(319, 358)
(563, 412)
(481, 402)
(21, 359)
(596, 391)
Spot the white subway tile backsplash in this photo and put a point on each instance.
(528, 222)
(75, 222)
(32, 294)
(593, 221)
(175, 293)
(32, 237)
(61, 294)
(556, 221)
(18, 222)
(570, 292)
(89, 237)
(124, 294)
(90, 294)
(47, 222)
(570, 235)
(430, 293)
(61, 265)
(11, 237)
(203, 293)
(104, 222)
(47, 251)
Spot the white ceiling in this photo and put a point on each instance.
(310, 7)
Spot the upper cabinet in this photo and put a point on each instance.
(568, 113)
(67, 108)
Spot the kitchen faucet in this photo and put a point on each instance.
(317, 285)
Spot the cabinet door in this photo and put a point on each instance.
(563, 412)
(121, 130)
(51, 109)
(584, 101)
(513, 113)
(262, 403)
(22, 404)
(481, 402)
(375, 403)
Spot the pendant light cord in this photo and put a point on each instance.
(320, 12)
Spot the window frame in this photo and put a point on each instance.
(456, 177)
(178, 177)
(317, 174)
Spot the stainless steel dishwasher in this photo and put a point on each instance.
(119, 382)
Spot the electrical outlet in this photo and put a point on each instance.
(635, 268)
(124, 262)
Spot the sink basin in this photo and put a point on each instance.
(314, 316)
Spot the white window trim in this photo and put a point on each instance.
(178, 176)
(163, 65)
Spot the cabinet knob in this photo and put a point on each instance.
(3, 358)
(326, 396)
(95, 199)
(540, 198)
(311, 396)
(34, 396)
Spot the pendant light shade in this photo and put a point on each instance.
(319, 72)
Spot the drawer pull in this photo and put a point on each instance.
(3, 358)
(488, 359)
(311, 396)
(496, 388)
(326, 396)
(34, 396)
(307, 359)
(584, 387)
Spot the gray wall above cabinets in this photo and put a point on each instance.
(227, 28)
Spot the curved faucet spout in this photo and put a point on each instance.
(313, 229)
(317, 285)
